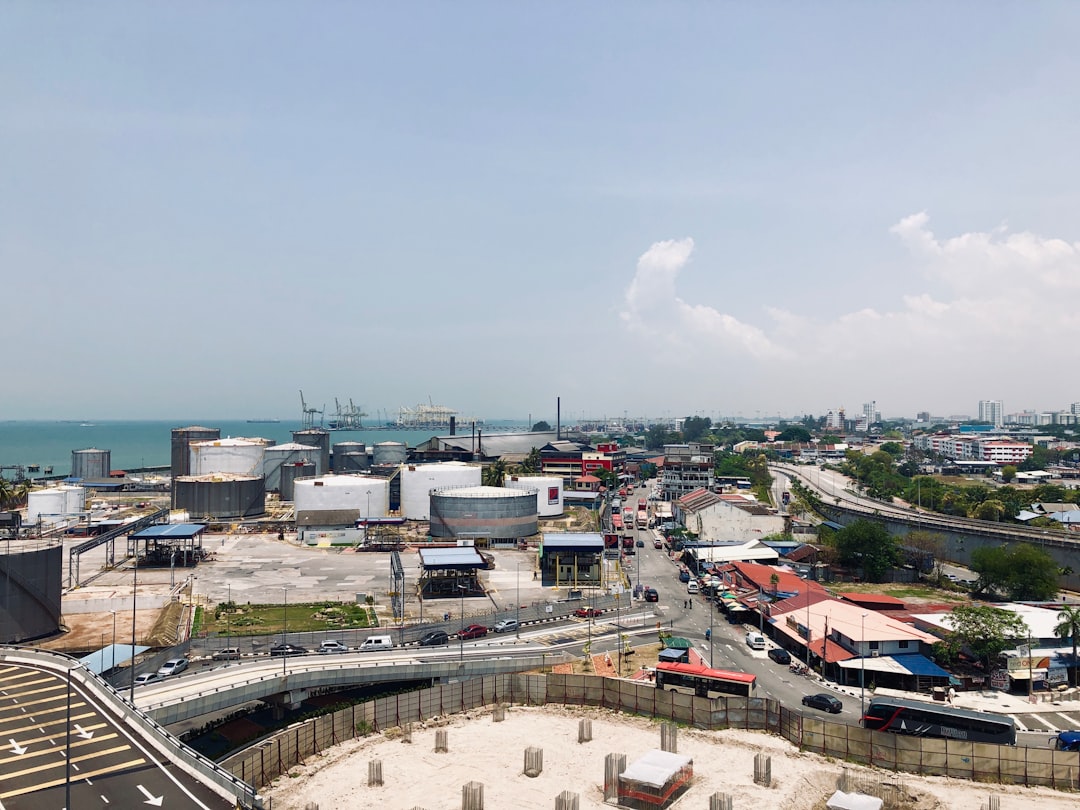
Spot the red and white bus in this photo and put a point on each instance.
(696, 679)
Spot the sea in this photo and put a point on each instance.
(141, 444)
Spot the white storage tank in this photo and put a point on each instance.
(549, 492)
(52, 504)
(389, 453)
(418, 480)
(238, 456)
(289, 453)
(340, 500)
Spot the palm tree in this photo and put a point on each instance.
(1068, 626)
(22, 492)
(494, 474)
(6, 491)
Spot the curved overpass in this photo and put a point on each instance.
(963, 534)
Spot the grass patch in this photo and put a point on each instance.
(260, 620)
(904, 590)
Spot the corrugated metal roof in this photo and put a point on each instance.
(577, 541)
(458, 557)
(181, 530)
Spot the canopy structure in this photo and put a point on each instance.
(110, 657)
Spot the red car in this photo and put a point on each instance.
(586, 612)
(473, 631)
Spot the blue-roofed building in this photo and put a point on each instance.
(169, 544)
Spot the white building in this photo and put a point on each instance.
(726, 518)
(992, 411)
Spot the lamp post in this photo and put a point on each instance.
(134, 600)
(228, 626)
(285, 632)
(517, 599)
(113, 665)
(862, 666)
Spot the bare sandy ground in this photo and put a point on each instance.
(493, 753)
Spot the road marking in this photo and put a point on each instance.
(1046, 722)
(56, 782)
(1020, 725)
(1069, 721)
(151, 799)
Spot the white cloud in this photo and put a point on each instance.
(1003, 299)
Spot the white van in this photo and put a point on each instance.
(377, 644)
(755, 641)
(692, 587)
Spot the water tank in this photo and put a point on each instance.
(288, 475)
(53, 503)
(492, 513)
(340, 500)
(238, 456)
(30, 589)
(181, 451)
(356, 453)
(220, 496)
(418, 480)
(91, 463)
(549, 492)
(316, 437)
(290, 453)
(389, 453)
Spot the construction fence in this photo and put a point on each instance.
(981, 762)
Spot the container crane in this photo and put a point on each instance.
(308, 420)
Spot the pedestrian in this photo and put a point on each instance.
(952, 694)
(708, 634)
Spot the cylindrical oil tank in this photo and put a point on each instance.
(492, 513)
(238, 456)
(220, 496)
(181, 450)
(290, 472)
(51, 505)
(389, 453)
(74, 499)
(91, 463)
(347, 454)
(418, 481)
(30, 589)
(290, 453)
(316, 437)
(549, 492)
(340, 500)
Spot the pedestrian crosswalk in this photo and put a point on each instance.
(1048, 721)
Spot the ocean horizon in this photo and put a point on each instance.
(148, 443)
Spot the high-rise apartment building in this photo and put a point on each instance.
(870, 413)
(992, 411)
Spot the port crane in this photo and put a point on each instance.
(348, 417)
(308, 420)
(20, 471)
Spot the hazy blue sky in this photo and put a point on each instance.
(653, 208)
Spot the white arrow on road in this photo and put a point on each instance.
(81, 732)
(17, 749)
(150, 797)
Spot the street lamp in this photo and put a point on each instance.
(461, 633)
(862, 667)
(113, 666)
(134, 600)
(517, 599)
(228, 626)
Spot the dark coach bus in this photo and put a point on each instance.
(928, 720)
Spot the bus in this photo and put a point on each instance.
(696, 679)
(928, 720)
(616, 523)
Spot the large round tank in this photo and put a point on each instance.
(237, 456)
(483, 513)
(291, 453)
(220, 496)
(288, 475)
(91, 463)
(316, 437)
(30, 588)
(390, 453)
(418, 480)
(549, 492)
(349, 456)
(181, 451)
(53, 504)
(340, 500)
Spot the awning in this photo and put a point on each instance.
(1038, 674)
(111, 656)
(910, 664)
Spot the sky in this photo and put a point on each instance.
(650, 209)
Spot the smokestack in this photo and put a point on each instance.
(558, 418)
(453, 425)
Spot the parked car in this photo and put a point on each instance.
(227, 654)
(174, 666)
(640, 544)
(331, 646)
(657, 544)
(684, 575)
(827, 703)
(287, 649)
(147, 677)
(652, 595)
(473, 631)
(587, 612)
(780, 656)
(506, 626)
(434, 639)
(693, 587)
(377, 644)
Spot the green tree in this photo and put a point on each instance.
(541, 427)
(794, 433)
(1022, 572)
(991, 509)
(532, 463)
(657, 436)
(1068, 626)
(494, 474)
(894, 449)
(986, 631)
(1008, 473)
(870, 546)
(695, 428)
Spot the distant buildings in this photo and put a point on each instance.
(992, 411)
